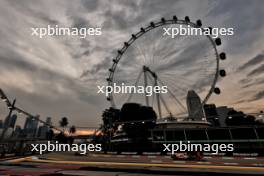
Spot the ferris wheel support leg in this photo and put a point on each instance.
(146, 84)
(158, 97)
(158, 103)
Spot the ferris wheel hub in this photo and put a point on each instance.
(147, 69)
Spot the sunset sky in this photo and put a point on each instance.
(57, 76)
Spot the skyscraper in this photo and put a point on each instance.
(27, 123)
(48, 121)
(10, 121)
(194, 106)
(1, 124)
(18, 131)
(43, 130)
(222, 112)
(31, 126)
(35, 123)
(8, 126)
(211, 114)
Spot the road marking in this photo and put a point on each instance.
(129, 153)
(231, 164)
(203, 162)
(8, 158)
(151, 153)
(207, 157)
(120, 156)
(135, 156)
(111, 152)
(151, 165)
(19, 160)
(34, 158)
(179, 162)
(152, 156)
(156, 161)
(259, 165)
(250, 158)
(228, 158)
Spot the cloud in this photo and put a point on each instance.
(252, 62)
(103, 66)
(258, 96)
(259, 70)
(58, 75)
(90, 5)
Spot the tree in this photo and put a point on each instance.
(64, 122)
(50, 134)
(72, 129)
(238, 118)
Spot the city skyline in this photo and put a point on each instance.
(58, 77)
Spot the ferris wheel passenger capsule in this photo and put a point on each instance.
(222, 56)
(108, 79)
(218, 41)
(217, 91)
(133, 36)
(222, 73)
(119, 52)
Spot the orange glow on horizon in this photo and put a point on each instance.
(84, 132)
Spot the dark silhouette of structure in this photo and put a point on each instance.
(211, 114)
(194, 106)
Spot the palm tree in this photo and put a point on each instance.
(64, 122)
(72, 129)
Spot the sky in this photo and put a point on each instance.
(58, 76)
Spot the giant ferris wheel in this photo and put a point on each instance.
(182, 63)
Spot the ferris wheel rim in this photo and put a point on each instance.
(154, 25)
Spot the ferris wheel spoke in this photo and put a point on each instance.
(178, 101)
(141, 54)
(179, 79)
(153, 99)
(158, 60)
(165, 104)
(159, 108)
(136, 83)
(174, 85)
(169, 50)
(157, 47)
(162, 60)
(181, 108)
